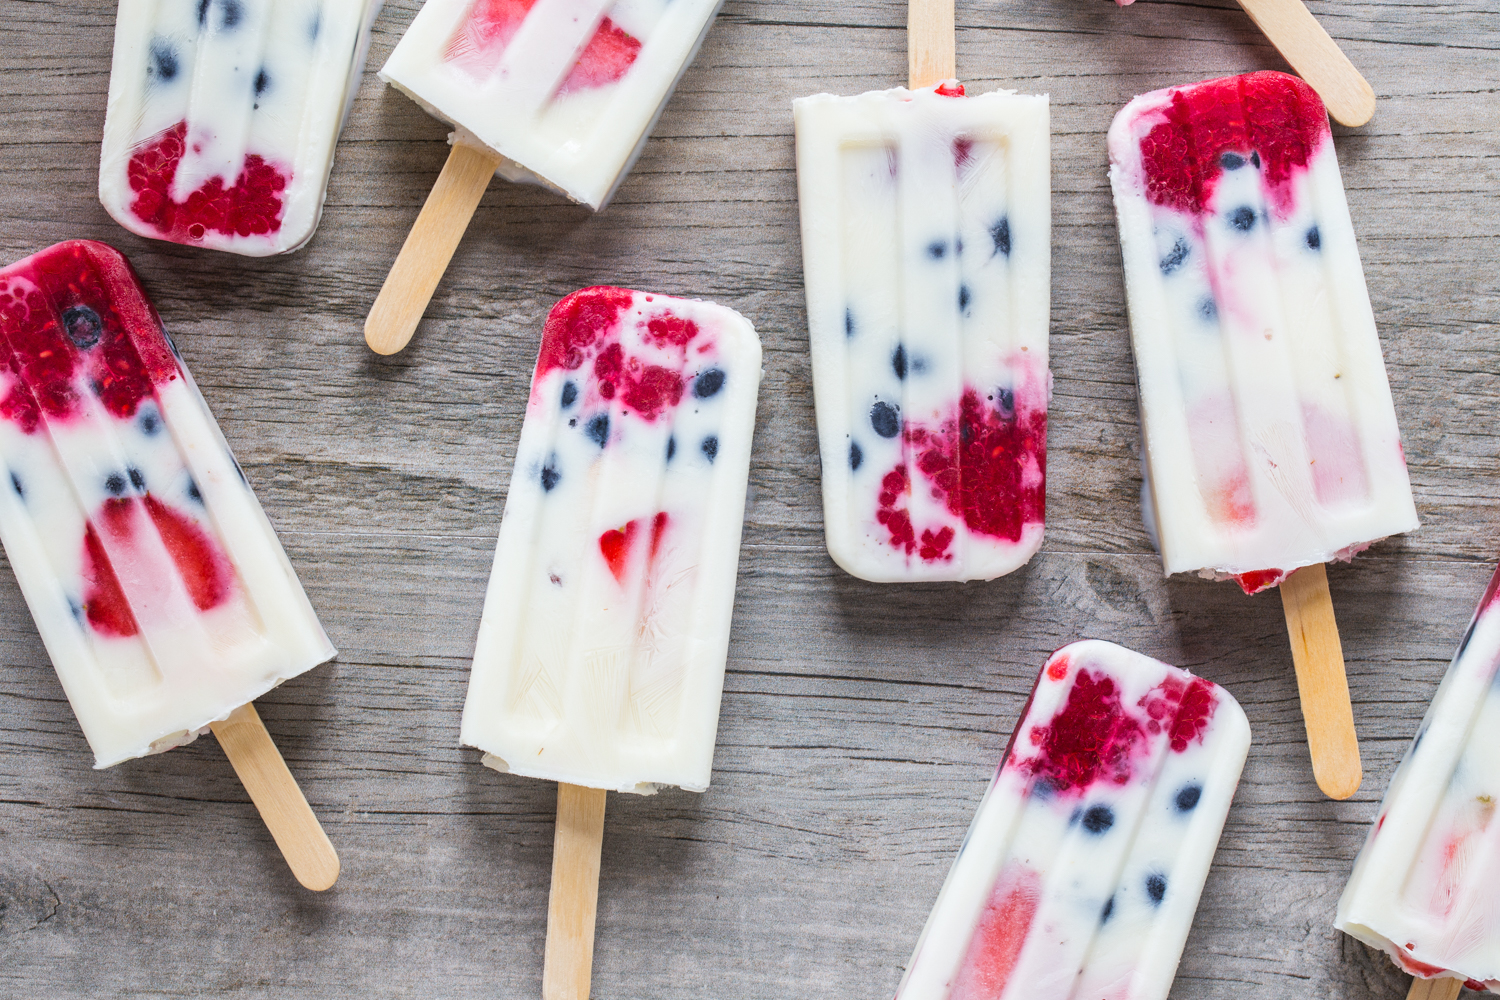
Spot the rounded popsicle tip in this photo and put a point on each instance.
(318, 868)
(386, 333)
(1339, 777)
(1353, 104)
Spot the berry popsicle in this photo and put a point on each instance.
(925, 247)
(1081, 871)
(223, 116)
(1270, 438)
(601, 651)
(1426, 885)
(159, 588)
(562, 93)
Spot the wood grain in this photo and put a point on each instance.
(860, 724)
(573, 903)
(1435, 989)
(930, 54)
(429, 247)
(1304, 44)
(279, 801)
(1322, 687)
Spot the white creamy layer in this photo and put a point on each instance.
(926, 252)
(601, 651)
(1090, 892)
(582, 142)
(1426, 885)
(1269, 432)
(184, 668)
(266, 78)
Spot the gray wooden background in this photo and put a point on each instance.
(860, 723)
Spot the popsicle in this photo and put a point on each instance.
(601, 651)
(163, 597)
(926, 253)
(223, 116)
(560, 93)
(1426, 885)
(1309, 49)
(1270, 438)
(1081, 871)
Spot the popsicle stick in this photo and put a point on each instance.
(428, 248)
(275, 793)
(1435, 989)
(568, 965)
(929, 43)
(1319, 659)
(1299, 37)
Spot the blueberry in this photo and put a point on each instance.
(1187, 797)
(937, 249)
(1000, 233)
(710, 447)
(1314, 239)
(1156, 887)
(1208, 309)
(1175, 256)
(1255, 160)
(848, 322)
(1231, 161)
(671, 448)
(115, 484)
(708, 383)
(569, 394)
(1098, 819)
(163, 65)
(76, 608)
(855, 456)
(203, 6)
(1242, 219)
(234, 11)
(597, 429)
(137, 479)
(1109, 909)
(193, 491)
(15, 484)
(963, 298)
(262, 82)
(550, 474)
(315, 27)
(1005, 401)
(150, 422)
(83, 326)
(898, 361)
(886, 419)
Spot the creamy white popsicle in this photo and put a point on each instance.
(1426, 885)
(566, 91)
(223, 117)
(601, 651)
(157, 584)
(926, 252)
(1080, 874)
(1270, 435)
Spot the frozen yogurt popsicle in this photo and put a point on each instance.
(601, 652)
(1081, 871)
(1269, 434)
(1426, 886)
(561, 93)
(163, 597)
(223, 117)
(926, 253)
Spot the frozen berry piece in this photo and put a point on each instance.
(964, 297)
(856, 456)
(848, 322)
(569, 394)
(162, 63)
(898, 361)
(1187, 797)
(1231, 161)
(1098, 819)
(15, 484)
(137, 478)
(885, 418)
(1314, 239)
(1175, 256)
(1000, 234)
(708, 383)
(1108, 911)
(551, 476)
(1242, 219)
(710, 447)
(671, 448)
(1156, 887)
(937, 249)
(83, 326)
(597, 429)
(114, 484)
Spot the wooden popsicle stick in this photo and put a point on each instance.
(429, 247)
(280, 801)
(568, 965)
(1299, 37)
(1319, 659)
(930, 55)
(1435, 989)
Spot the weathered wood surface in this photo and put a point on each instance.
(860, 723)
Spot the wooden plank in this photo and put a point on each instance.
(860, 723)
